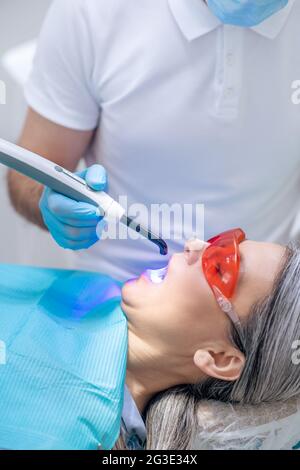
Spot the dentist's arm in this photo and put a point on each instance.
(72, 224)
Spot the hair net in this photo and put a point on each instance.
(266, 426)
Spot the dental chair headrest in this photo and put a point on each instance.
(267, 426)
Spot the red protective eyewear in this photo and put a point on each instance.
(221, 265)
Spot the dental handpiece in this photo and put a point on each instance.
(68, 184)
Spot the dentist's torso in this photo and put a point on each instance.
(193, 112)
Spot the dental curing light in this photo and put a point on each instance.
(64, 182)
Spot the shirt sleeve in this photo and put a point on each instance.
(60, 87)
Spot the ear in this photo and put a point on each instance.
(220, 364)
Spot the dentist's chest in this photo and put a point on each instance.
(227, 99)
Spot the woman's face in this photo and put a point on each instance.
(181, 314)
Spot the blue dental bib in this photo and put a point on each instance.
(65, 335)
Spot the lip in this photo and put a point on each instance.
(144, 277)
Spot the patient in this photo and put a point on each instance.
(220, 325)
(178, 334)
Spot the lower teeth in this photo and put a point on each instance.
(156, 275)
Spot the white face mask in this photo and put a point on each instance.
(245, 13)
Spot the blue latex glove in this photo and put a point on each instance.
(246, 13)
(74, 225)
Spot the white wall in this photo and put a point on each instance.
(20, 242)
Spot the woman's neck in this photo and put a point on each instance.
(151, 370)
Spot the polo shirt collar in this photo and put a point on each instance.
(195, 19)
(133, 428)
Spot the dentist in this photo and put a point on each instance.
(178, 101)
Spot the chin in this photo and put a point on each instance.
(129, 293)
(128, 309)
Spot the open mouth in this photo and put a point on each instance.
(157, 275)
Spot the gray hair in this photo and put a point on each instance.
(269, 375)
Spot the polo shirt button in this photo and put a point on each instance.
(229, 92)
(230, 58)
(99, 447)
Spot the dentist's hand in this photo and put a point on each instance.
(74, 225)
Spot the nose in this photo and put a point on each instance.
(193, 249)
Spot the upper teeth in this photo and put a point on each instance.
(157, 275)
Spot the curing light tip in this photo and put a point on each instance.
(163, 247)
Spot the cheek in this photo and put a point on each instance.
(189, 297)
(189, 283)
(187, 315)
